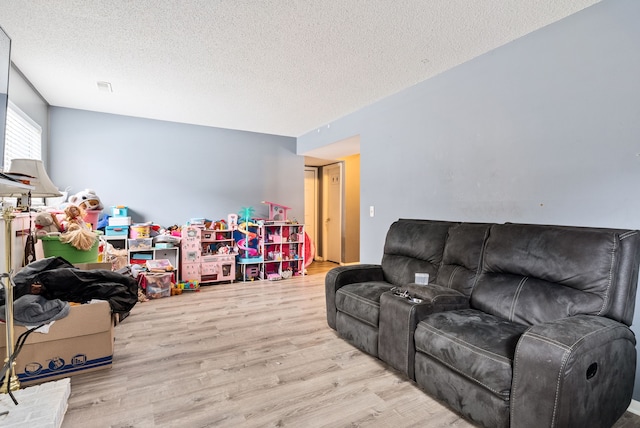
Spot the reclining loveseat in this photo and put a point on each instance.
(520, 325)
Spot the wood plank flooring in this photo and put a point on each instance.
(254, 354)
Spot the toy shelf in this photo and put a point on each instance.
(282, 246)
(141, 256)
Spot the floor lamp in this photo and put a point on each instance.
(9, 187)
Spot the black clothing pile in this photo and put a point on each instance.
(59, 279)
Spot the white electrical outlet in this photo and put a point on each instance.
(372, 211)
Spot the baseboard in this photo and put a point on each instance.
(634, 407)
(349, 263)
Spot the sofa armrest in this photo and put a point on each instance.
(343, 275)
(576, 371)
(441, 298)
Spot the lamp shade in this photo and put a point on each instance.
(9, 187)
(34, 172)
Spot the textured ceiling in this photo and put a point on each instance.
(280, 67)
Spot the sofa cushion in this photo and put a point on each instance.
(362, 300)
(413, 246)
(477, 345)
(461, 258)
(535, 273)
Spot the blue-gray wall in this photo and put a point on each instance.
(545, 129)
(168, 172)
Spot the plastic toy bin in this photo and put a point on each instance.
(117, 231)
(52, 247)
(92, 217)
(119, 211)
(139, 231)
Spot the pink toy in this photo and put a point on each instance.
(277, 212)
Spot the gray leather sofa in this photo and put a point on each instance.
(521, 325)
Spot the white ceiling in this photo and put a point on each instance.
(281, 67)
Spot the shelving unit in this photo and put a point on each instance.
(280, 252)
(118, 242)
(119, 245)
(142, 255)
(282, 246)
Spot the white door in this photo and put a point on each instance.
(332, 212)
(311, 204)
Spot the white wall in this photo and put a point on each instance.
(543, 130)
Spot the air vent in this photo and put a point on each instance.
(105, 87)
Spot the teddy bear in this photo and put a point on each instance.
(86, 199)
(46, 224)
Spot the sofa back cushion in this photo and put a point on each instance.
(461, 258)
(413, 246)
(535, 273)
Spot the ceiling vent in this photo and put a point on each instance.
(105, 87)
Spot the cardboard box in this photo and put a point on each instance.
(92, 266)
(81, 342)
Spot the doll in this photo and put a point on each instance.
(74, 214)
(76, 231)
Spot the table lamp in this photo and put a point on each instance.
(32, 171)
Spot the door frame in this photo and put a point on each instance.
(325, 196)
(316, 198)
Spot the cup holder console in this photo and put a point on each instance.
(399, 292)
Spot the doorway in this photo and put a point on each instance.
(338, 200)
(332, 211)
(311, 206)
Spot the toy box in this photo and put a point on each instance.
(155, 284)
(139, 231)
(116, 230)
(140, 244)
(78, 343)
(119, 211)
(164, 245)
(159, 265)
(119, 221)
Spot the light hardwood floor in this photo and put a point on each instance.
(254, 354)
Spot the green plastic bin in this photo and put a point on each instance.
(52, 247)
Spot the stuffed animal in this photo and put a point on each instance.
(86, 199)
(46, 224)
